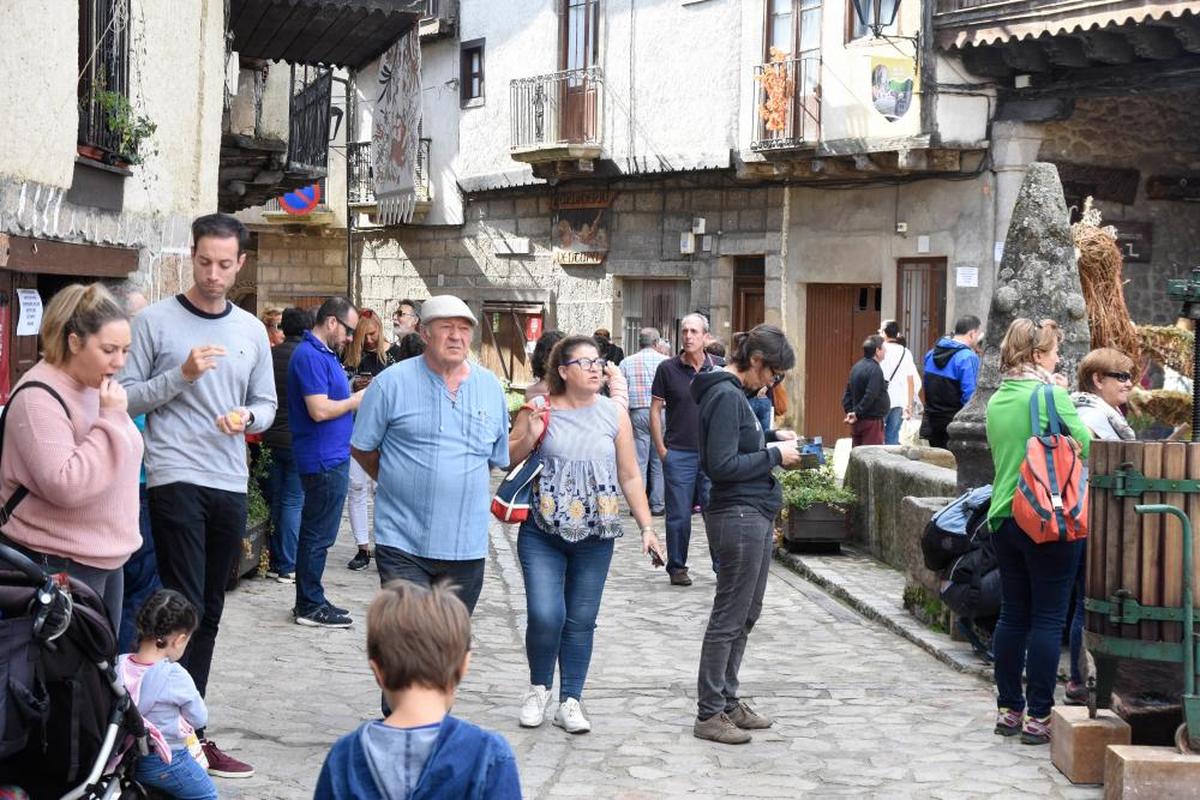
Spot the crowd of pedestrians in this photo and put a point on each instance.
(349, 418)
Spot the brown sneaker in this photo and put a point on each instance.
(748, 719)
(222, 765)
(681, 578)
(719, 728)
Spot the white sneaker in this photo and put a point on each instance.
(570, 717)
(533, 706)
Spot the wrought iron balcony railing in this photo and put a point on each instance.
(558, 110)
(787, 111)
(308, 119)
(360, 170)
(104, 73)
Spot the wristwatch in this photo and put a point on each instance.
(249, 418)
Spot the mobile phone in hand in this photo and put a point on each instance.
(655, 559)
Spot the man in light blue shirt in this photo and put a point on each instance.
(430, 430)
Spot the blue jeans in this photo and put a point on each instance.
(564, 582)
(685, 483)
(648, 461)
(1035, 583)
(324, 497)
(891, 425)
(183, 778)
(762, 408)
(287, 501)
(141, 579)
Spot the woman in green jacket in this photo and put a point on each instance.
(1035, 579)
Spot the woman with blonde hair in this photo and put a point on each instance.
(1035, 579)
(71, 454)
(366, 356)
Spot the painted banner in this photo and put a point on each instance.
(580, 230)
(396, 132)
(893, 81)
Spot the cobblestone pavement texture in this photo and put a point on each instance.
(860, 712)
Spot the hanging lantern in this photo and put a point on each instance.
(876, 14)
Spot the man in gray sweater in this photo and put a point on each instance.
(200, 369)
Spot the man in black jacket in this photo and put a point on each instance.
(865, 400)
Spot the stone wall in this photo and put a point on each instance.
(1156, 134)
(645, 221)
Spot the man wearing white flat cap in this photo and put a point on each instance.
(430, 430)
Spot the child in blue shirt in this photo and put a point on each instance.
(418, 646)
(167, 698)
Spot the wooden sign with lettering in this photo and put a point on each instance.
(1135, 240)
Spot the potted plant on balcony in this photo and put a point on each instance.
(129, 129)
(815, 509)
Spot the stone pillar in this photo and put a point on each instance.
(1015, 146)
(1038, 279)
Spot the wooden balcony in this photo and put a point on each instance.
(557, 121)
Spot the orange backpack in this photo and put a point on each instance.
(1051, 501)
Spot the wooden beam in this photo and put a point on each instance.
(1154, 42)
(1025, 57)
(27, 254)
(986, 62)
(1065, 51)
(1186, 30)
(1107, 48)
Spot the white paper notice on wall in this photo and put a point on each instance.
(966, 276)
(998, 252)
(31, 312)
(922, 244)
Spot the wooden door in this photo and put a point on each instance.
(19, 352)
(502, 349)
(839, 318)
(579, 93)
(749, 296)
(921, 302)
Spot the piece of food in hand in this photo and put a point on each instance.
(234, 418)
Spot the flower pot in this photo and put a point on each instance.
(820, 526)
(90, 151)
(253, 543)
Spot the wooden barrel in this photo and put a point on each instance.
(1141, 555)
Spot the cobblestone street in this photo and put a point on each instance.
(859, 712)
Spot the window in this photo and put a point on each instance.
(470, 86)
(580, 33)
(104, 74)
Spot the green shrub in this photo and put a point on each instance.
(804, 488)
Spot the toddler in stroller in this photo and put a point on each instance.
(68, 728)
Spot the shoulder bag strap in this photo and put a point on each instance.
(1052, 417)
(20, 492)
(530, 405)
(898, 365)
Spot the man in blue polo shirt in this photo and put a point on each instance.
(320, 412)
(429, 431)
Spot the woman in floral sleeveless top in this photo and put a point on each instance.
(567, 543)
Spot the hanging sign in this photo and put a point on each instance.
(893, 81)
(580, 229)
(533, 327)
(31, 312)
(302, 201)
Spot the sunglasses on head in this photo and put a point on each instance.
(1120, 376)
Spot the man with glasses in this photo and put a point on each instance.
(405, 320)
(679, 448)
(320, 411)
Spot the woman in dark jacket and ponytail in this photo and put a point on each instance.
(740, 518)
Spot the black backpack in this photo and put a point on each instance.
(940, 546)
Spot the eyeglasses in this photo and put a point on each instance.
(588, 363)
(366, 313)
(403, 314)
(1120, 376)
(349, 331)
(777, 378)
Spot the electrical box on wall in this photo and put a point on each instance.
(687, 243)
(698, 225)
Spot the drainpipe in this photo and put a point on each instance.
(348, 84)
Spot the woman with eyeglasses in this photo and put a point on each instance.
(739, 457)
(367, 355)
(566, 545)
(1035, 579)
(1105, 380)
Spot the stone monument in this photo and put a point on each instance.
(1038, 279)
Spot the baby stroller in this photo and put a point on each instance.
(68, 728)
